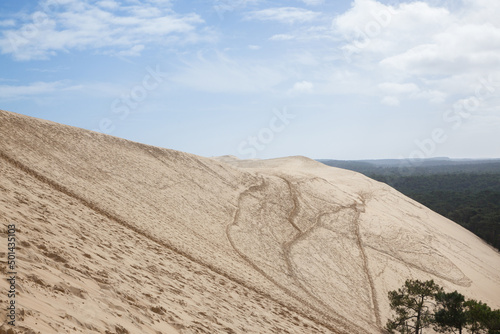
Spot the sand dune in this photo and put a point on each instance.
(120, 237)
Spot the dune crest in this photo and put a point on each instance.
(120, 237)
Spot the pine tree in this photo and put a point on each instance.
(451, 314)
(478, 314)
(493, 322)
(413, 304)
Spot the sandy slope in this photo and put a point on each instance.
(122, 237)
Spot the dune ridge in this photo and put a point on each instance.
(234, 246)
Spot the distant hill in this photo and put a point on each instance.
(465, 191)
(396, 167)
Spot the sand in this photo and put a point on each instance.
(120, 237)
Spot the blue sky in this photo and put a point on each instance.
(357, 79)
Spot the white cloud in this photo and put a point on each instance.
(397, 88)
(7, 23)
(302, 87)
(457, 48)
(282, 37)
(289, 15)
(313, 2)
(54, 69)
(82, 25)
(222, 6)
(134, 51)
(417, 50)
(33, 89)
(408, 90)
(309, 34)
(108, 4)
(254, 47)
(417, 38)
(431, 95)
(372, 27)
(7, 80)
(306, 58)
(390, 101)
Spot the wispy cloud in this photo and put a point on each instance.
(7, 23)
(398, 88)
(108, 4)
(222, 6)
(227, 75)
(282, 37)
(313, 2)
(390, 101)
(33, 89)
(302, 87)
(54, 69)
(289, 15)
(105, 25)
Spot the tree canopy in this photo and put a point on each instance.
(413, 305)
(422, 304)
(450, 314)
